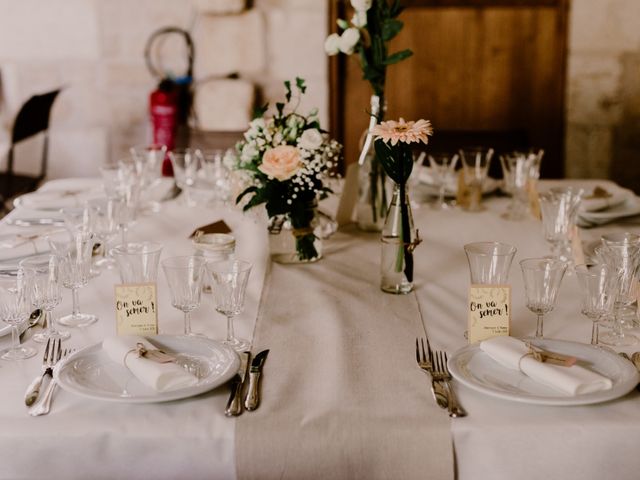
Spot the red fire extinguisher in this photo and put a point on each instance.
(170, 103)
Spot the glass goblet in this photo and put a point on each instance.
(489, 262)
(42, 273)
(475, 164)
(519, 169)
(559, 208)
(75, 269)
(184, 276)
(598, 287)
(106, 226)
(229, 283)
(443, 166)
(186, 165)
(15, 309)
(137, 262)
(542, 278)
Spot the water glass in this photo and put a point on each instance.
(186, 163)
(598, 288)
(184, 276)
(15, 309)
(217, 174)
(229, 282)
(108, 221)
(443, 166)
(475, 164)
(559, 208)
(489, 262)
(542, 278)
(76, 256)
(42, 273)
(148, 160)
(137, 262)
(519, 169)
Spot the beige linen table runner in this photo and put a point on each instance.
(342, 396)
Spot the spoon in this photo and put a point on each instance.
(34, 319)
(635, 358)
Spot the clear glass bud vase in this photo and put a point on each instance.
(293, 238)
(373, 184)
(396, 265)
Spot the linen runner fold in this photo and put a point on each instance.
(342, 396)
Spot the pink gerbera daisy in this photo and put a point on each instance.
(405, 132)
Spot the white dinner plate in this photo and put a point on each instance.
(54, 200)
(476, 370)
(90, 373)
(629, 208)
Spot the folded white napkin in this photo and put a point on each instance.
(21, 245)
(52, 200)
(594, 204)
(575, 380)
(162, 377)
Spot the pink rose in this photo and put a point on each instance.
(281, 162)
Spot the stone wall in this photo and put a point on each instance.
(94, 48)
(603, 91)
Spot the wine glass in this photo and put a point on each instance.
(475, 164)
(106, 226)
(120, 184)
(489, 262)
(43, 275)
(186, 164)
(519, 169)
(598, 288)
(184, 276)
(559, 208)
(75, 270)
(137, 262)
(148, 160)
(542, 278)
(217, 173)
(624, 259)
(229, 282)
(15, 309)
(443, 166)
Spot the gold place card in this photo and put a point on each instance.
(136, 309)
(489, 311)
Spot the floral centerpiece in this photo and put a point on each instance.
(393, 147)
(288, 158)
(374, 24)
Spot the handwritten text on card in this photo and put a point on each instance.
(489, 311)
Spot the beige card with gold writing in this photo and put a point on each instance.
(489, 311)
(576, 246)
(136, 309)
(534, 198)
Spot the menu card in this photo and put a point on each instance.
(489, 312)
(136, 309)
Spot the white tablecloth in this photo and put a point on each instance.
(192, 438)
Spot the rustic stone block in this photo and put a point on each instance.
(588, 151)
(224, 105)
(604, 25)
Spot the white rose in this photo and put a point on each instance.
(310, 139)
(359, 19)
(348, 40)
(361, 5)
(332, 44)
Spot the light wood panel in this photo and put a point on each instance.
(494, 66)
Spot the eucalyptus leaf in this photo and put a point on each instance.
(391, 28)
(398, 57)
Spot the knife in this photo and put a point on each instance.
(234, 405)
(253, 395)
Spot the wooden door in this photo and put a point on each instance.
(483, 71)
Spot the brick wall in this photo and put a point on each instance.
(95, 48)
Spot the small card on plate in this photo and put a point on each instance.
(489, 311)
(216, 227)
(136, 309)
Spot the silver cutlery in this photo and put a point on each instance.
(253, 395)
(441, 373)
(425, 362)
(34, 320)
(43, 407)
(52, 353)
(234, 405)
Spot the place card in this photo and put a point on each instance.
(216, 227)
(534, 198)
(489, 312)
(576, 246)
(136, 309)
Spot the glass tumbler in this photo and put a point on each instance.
(489, 262)
(137, 262)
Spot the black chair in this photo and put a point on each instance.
(33, 118)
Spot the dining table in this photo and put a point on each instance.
(341, 393)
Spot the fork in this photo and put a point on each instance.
(52, 353)
(425, 362)
(44, 406)
(441, 373)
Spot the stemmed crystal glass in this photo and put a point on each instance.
(217, 173)
(137, 262)
(42, 273)
(559, 208)
(186, 164)
(489, 262)
(121, 185)
(75, 269)
(148, 160)
(15, 309)
(542, 278)
(475, 164)
(624, 259)
(184, 276)
(519, 169)
(598, 288)
(229, 282)
(106, 226)
(443, 166)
